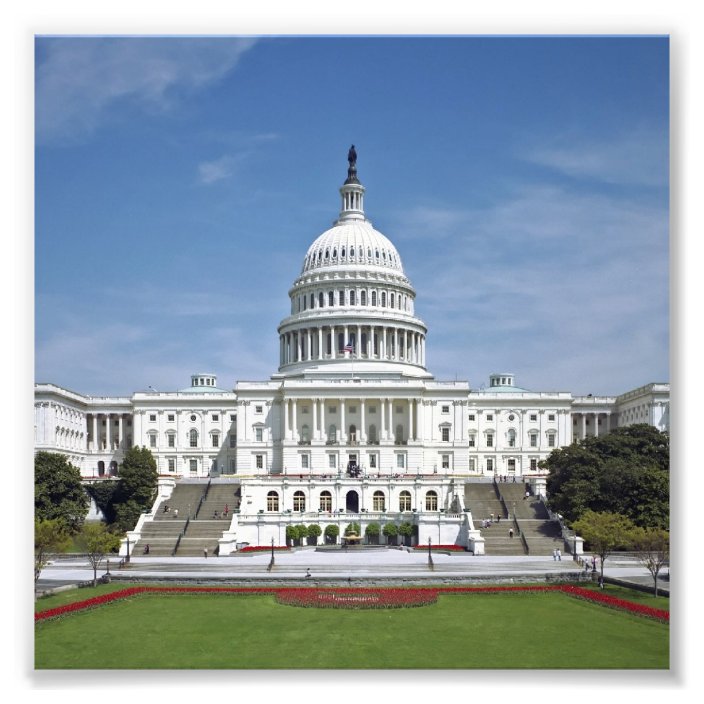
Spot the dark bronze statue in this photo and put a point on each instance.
(352, 156)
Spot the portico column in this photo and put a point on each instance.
(309, 339)
(119, 430)
(286, 424)
(108, 434)
(298, 346)
(363, 428)
(608, 421)
(383, 351)
(343, 430)
(96, 445)
(584, 425)
(320, 343)
(596, 425)
(333, 345)
(358, 343)
(396, 356)
(294, 435)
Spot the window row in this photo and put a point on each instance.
(192, 439)
(551, 438)
(358, 254)
(350, 297)
(171, 417)
(533, 417)
(325, 501)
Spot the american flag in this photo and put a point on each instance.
(348, 348)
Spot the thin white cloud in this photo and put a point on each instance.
(216, 170)
(638, 157)
(79, 80)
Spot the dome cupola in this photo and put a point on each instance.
(352, 306)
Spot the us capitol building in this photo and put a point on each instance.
(352, 426)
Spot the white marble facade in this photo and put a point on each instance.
(351, 395)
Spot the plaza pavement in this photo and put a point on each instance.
(356, 567)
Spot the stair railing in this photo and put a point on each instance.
(180, 535)
(519, 533)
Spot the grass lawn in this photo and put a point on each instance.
(538, 630)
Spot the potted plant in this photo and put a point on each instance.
(406, 531)
(372, 532)
(314, 532)
(390, 530)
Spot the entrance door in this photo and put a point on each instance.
(352, 502)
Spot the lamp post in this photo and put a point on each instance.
(127, 557)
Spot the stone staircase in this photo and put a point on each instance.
(482, 500)
(201, 535)
(184, 499)
(161, 536)
(219, 495)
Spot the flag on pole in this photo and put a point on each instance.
(348, 348)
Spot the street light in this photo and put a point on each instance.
(127, 557)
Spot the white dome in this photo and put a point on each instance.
(355, 243)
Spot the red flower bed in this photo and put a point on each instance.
(263, 548)
(456, 548)
(384, 598)
(361, 598)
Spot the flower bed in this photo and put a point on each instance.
(357, 598)
(360, 598)
(454, 548)
(264, 548)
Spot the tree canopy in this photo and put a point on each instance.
(50, 535)
(97, 541)
(58, 491)
(625, 472)
(136, 489)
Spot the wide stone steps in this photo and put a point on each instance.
(184, 498)
(219, 496)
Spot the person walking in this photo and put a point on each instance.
(559, 555)
(205, 553)
(554, 555)
(510, 532)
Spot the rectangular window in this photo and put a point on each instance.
(216, 417)
(490, 417)
(551, 440)
(446, 461)
(216, 440)
(445, 409)
(233, 417)
(332, 461)
(471, 441)
(534, 440)
(551, 417)
(258, 409)
(259, 461)
(193, 465)
(490, 465)
(353, 409)
(233, 465)
(171, 418)
(490, 440)
(446, 434)
(332, 409)
(172, 464)
(372, 461)
(472, 464)
(400, 461)
(399, 409)
(152, 417)
(305, 462)
(534, 417)
(372, 409)
(152, 441)
(534, 464)
(171, 440)
(258, 434)
(471, 417)
(233, 441)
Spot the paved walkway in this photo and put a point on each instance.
(335, 567)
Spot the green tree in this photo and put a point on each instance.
(58, 491)
(372, 531)
(332, 531)
(390, 530)
(604, 532)
(405, 530)
(137, 486)
(625, 471)
(50, 535)
(314, 531)
(653, 547)
(97, 541)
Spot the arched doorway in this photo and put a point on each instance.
(352, 502)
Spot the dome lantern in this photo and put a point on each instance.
(352, 192)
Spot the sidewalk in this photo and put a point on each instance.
(364, 566)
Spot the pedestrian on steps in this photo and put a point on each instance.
(510, 532)
(205, 553)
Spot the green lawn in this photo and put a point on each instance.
(539, 630)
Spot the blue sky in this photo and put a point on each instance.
(179, 183)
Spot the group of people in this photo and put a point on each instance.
(503, 478)
(488, 521)
(557, 555)
(226, 510)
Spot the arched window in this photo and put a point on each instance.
(383, 299)
(305, 433)
(363, 298)
(312, 301)
(373, 298)
(372, 434)
(299, 501)
(379, 501)
(332, 433)
(512, 438)
(321, 300)
(113, 469)
(431, 501)
(404, 501)
(352, 252)
(353, 297)
(193, 438)
(272, 501)
(325, 501)
(331, 298)
(391, 300)
(353, 433)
